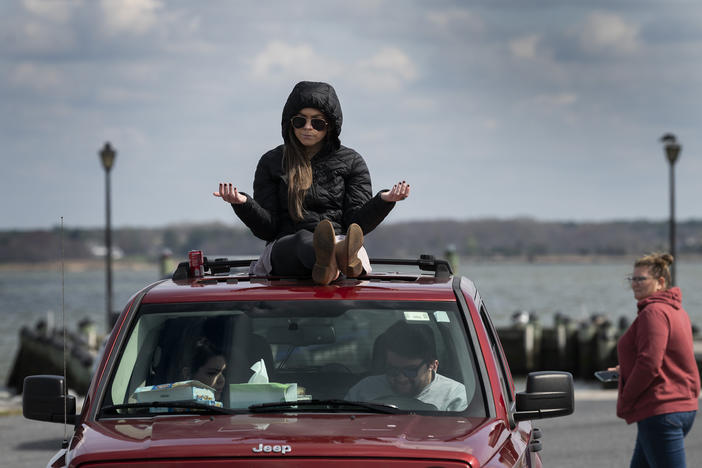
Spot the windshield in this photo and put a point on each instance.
(281, 356)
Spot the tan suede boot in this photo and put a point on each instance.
(325, 269)
(347, 252)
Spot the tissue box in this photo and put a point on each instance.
(178, 391)
(247, 394)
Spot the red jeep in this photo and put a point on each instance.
(392, 369)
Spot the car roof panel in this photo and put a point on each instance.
(230, 288)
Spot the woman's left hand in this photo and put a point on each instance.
(399, 192)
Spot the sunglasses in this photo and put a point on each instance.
(410, 371)
(299, 121)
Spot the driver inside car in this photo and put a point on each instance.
(411, 366)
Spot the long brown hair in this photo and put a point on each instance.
(658, 265)
(298, 167)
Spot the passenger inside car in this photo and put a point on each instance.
(207, 365)
(410, 372)
(169, 353)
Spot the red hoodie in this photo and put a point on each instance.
(657, 368)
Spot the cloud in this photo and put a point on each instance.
(128, 137)
(56, 11)
(123, 95)
(459, 19)
(389, 69)
(549, 104)
(554, 100)
(36, 77)
(525, 47)
(81, 29)
(130, 16)
(608, 33)
(490, 123)
(282, 62)
(420, 104)
(42, 27)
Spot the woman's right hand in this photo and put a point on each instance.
(399, 192)
(230, 194)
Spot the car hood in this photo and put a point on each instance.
(289, 435)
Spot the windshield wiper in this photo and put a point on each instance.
(201, 408)
(337, 405)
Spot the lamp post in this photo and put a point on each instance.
(672, 151)
(107, 156)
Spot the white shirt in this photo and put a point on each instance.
(444, 393)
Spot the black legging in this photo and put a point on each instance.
(293, 255)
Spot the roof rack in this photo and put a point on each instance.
(214, 267)
(441, 268)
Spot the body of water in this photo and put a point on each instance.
(576, 290)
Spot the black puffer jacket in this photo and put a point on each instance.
(341, 187)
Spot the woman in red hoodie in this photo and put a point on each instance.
(658, 378)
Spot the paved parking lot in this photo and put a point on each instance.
(25, 443)
(594, 436)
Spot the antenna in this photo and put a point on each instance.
(64, 444)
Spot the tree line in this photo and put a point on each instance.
(524, 238)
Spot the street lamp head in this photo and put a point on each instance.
(107, 155)
(672, 147)
(668, 138)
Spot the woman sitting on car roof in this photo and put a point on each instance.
(309, 189)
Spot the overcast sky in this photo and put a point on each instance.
(546, 109)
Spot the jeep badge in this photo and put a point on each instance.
(272, 449)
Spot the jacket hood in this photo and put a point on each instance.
(671, 297)
(319, 96)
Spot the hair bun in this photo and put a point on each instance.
(658, 264)
(666, 258)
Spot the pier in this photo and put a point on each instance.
(579, 347)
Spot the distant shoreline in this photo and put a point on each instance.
(128, 264)
(79, 265)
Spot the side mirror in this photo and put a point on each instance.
(44, 398)
(547, 395)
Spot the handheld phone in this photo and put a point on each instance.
(607, 376)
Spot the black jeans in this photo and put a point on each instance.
(293, 255)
